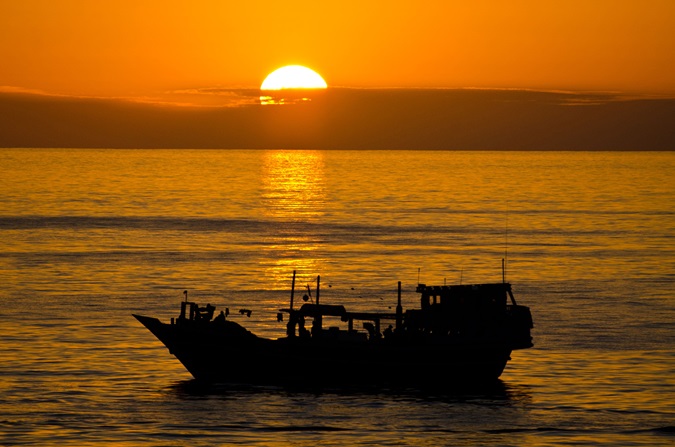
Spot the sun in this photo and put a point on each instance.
(293, 77)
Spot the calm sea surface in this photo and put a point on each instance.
(89, 236)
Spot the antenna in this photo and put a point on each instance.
(292, 290)
(399, 309)
(506, 243)
(418, 275)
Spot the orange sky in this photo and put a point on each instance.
(137, 47)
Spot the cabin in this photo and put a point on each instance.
(459, 311)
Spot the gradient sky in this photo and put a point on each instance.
(128, 48)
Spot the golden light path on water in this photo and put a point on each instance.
(293, 191)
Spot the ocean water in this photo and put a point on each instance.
(88, 237)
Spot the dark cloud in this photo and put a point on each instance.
(345, 119)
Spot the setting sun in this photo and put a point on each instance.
(291, 77)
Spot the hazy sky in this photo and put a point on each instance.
(138, 47)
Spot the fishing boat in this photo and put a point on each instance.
(459, 333)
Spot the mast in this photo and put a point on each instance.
(399, 310)
(292, 289)
(318, 319)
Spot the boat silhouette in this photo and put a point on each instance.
(459, 333)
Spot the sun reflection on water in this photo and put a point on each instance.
(294, 195)
(293, 184)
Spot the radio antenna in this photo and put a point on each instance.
(506, 243)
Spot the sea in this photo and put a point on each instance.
(90, 236)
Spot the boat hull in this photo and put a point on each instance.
(230, 354)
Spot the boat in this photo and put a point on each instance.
(460, 333)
